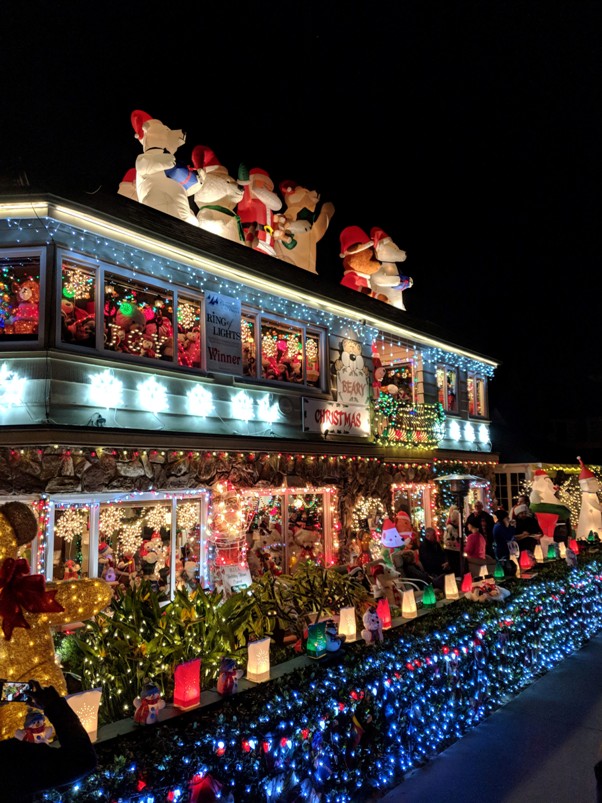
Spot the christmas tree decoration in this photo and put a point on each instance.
(258, 660)
(408, 605)
(348, 623)
(148, 704)
(451, 587)
(316, 640)
(86, 705)
(187, 684)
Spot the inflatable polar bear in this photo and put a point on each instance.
(217, 196)
(160, 183)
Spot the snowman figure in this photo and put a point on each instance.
(590, 515)
(544, 503)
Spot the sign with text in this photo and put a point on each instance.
(222, 329)
(234, 578)
(352, 381)
(340, 419)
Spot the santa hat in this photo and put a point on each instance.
(103, 546)
(257, 171)
(138, 119)
(354, 239)
(287, 187)
(390, 535)
(130, 175)
(379, 236)
(585, 474)
(540, 473)
(203, 157)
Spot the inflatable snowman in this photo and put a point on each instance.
(545, 504)
(388, 280)
(590, 515)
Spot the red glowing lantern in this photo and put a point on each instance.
(187, 684)
(466, 586)
(384, 612)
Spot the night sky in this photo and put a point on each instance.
(470, 132)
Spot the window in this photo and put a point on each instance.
(400, 379)
(476, 388)
(20, 294)
(447, 387)
(78, 304)
(281, 351)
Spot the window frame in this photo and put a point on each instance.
(447, 369)
(41, 253)
(474, 378)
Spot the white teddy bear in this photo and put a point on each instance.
(373, 626)
(160, 183)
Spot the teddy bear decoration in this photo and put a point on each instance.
(31, 608)
(373, 626)
(299, 228)
(334, 640)
(217, 196)
(148, 704)
(25, 316)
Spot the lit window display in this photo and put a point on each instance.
(78, 306)
(19, 297)
(71, 548)
(476, 395)
(447, 387)
(189, 332)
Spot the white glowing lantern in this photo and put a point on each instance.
(483, 434)
(12, 388)
(538, 553)
(267, 411)
(105, 390)
(562, 549)
(469, 433)
(514, 560)
(258, 660)
(408, 605)
(454, 430)
(451, 587)
(484, 570)
(242, 406)
(152, 396)
(86, 705)
(348, 623)
(200, 401)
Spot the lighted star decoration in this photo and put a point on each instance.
(105, 390)
(267, 411)
(242, 406)
(129, 538)
(12, 388)
(187, 516)
(72, 523)
(152, 396)
(110, 519)
(158, 517)
(200, 401)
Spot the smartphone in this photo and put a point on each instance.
(14, 691)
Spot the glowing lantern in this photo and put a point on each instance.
(187, 684)
(498, 572)
(408, 605)
(514, 560)
(484, 570)
(384, 611)
(526, 561)
(86, 705)
(316, 640)
(562, 549)
(451, 587)
(538, 553)
(574, 545)
(429, 599)
(552, 553)
(466, 586)
(258, 660)
(348, 624)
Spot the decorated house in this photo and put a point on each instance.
(180, 406)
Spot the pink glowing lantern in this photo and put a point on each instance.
(384, 612)
(466, 586)
(574, 545)
(187, 684)
(526, 561)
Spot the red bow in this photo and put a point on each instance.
(20, 591)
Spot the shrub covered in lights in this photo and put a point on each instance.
(345, 728)
(140, 638)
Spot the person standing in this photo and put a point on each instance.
(503, 532)
(484, 521)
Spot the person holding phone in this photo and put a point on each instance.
(54, 766)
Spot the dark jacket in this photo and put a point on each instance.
(28, 768)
